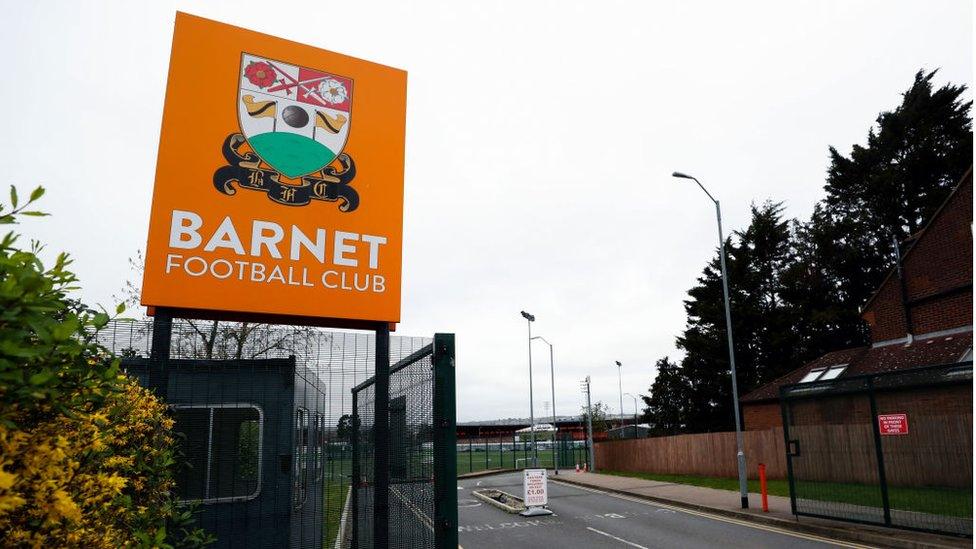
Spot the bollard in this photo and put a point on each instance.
(762, 487)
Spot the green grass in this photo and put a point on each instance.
(934, 500)
(335, 500)
(472, 462)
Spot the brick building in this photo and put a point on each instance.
(921, 315)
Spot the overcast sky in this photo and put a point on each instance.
(540, 141)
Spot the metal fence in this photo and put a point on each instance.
(264, 413)
(893, 449)
(409, 499)
(501, 453)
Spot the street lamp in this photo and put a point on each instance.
(552, 377)
(635, 412)
(535, 451)
(740, 455)
(620, 387)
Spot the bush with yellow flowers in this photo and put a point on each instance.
(86, 455)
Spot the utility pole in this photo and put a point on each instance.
(589, 424)
(620, 387)
(740, 453)
(552, 377)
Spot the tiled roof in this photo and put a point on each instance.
(930, 351)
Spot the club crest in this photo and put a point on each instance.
(296, 121)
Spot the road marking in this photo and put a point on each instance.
(420, 514)
(466, 503)
(611, 536)
(729, 520)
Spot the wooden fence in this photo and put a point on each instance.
(936, 452)
(704, 454)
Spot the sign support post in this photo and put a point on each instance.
(162, 336)
(381, 436)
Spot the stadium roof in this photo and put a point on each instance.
(524, 421)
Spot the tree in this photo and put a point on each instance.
(762, 326)
(880, 194)
(222, 340)
(601, 412)
(796, 287)
(344, 428)
(668, 404)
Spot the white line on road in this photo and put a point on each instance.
(730, 520)
(611, 536)
(416, 511)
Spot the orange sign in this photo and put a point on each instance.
(279, 182)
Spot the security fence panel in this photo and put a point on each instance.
(263, 416)
(422, 450)
(892, 449)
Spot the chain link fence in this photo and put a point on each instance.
(894, 449)
(421, 497)
(265, 416)
(514, 452)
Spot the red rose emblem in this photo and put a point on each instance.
(260, 74)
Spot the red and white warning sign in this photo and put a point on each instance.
(893, 424)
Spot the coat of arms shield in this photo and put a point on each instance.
(296, 119)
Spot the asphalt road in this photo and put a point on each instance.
(411, 512)
(591, 519)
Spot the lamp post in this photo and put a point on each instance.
(535, 451)
(740, 454)
(635, 412)
(552, 377)
(620, 387)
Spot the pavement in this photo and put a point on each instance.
(589, 518)
(726, 503)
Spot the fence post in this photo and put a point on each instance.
(514, 453)
(882, 478)
(470, 457)
(486, 454)
(445, 444)
(762, 487)
(784, 409)
(354, 480)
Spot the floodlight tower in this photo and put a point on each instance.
(535, 451)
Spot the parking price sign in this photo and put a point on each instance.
(535, 487)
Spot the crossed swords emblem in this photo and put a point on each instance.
(301, 85)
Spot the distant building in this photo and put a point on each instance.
(507, 428)
(641, 430)
(543, 431)
(921, 315)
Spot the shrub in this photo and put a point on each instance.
(86, 455)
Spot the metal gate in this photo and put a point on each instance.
(408, 499)
(891, 449)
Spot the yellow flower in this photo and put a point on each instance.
(63, 506)
(10, 502)
(6, 479)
